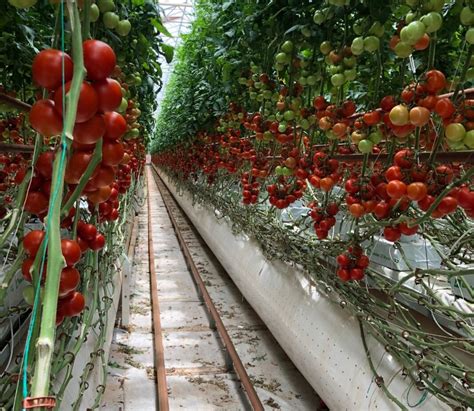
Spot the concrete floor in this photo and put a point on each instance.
(195, 362)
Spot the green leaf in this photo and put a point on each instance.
(162, 29)
(168, 52)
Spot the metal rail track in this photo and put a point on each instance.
(159, 357)
(233, 359)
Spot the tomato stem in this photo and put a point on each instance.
(45, 341)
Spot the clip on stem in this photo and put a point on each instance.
(37, 402)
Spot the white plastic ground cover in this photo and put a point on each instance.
(320, 337)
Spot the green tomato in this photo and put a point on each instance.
(279, 67)
(470, 36)
(289, 115)
(412, 3)
(305, 124)
(123, 106)
(365, 146)
(349, 62)
(357, 46)
(456, 145)
(123, 28)
(267, 95)
(311, 80)
(377, 29)
(94, 13)
(413, 32)
(282, 58)
(470, 73)
(371, 44)
(434, 5)
(432, 21)
(110, 20)
(331, 135)
(305, 31)
(22, 4)
(469, 139)
(334, 69)
(410, 16)
(287, 171)
(466, 16)
(302, 81)
(376, 136)
(325, 47)
(279, 170)
(267, 135)
(455, 132)
(350, 75)
(29, 294)
(287, 47)
(319, 17)
(106, 5)
(403, 50)
(337, 80)
(282, 127)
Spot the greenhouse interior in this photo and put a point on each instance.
(237, 205)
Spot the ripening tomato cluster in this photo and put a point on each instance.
(251, 189)
(352, 264)
(323, 217)
(71, 302)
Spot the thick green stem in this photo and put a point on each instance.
(45, 343)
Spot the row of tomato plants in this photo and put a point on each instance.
(345, 111)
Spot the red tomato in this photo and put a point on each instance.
(392, 234)
(83, 244)
(99, 59)
(99, 196)
(343, 260)
(71, 251)
(343, 274)
(48, 68)
(447, 205)
(76, 167)
(44, 118)
(68, 281)
(115, 125)
(88, 102)
(357, 210)
(404, 158)
(357, 274)
(405, 230)
(387, 103)
(417, 191)
(86, 231)
(396, 189)
(423, 43)
(90, 131)
(73, 305)
(97, 243)
(112, 153)
(363, 261)
(372, 118)
(32, 242)
(36, 203)
(104, 176)
(110, 94)
(393, 173)
(445, 108)
(426, 202)
(466, 198)
(435, 81)
(44, 164)
(382, 210)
